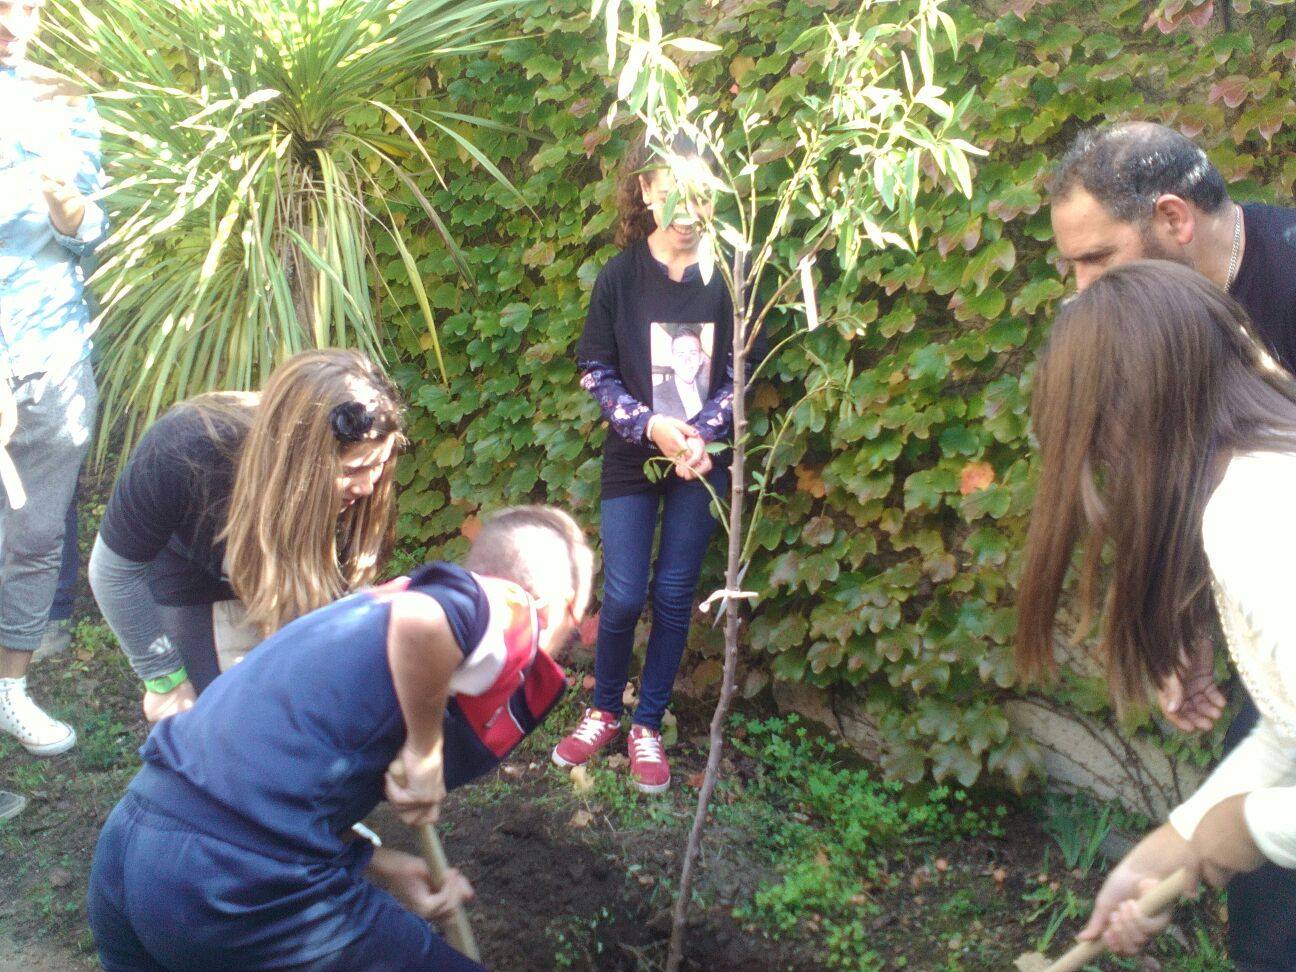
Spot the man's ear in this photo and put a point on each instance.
(1175, 219)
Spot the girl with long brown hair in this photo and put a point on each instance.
(1168, 454)
(237, 513)
(655, 355)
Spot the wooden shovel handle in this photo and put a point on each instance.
(458, 931)
(1154, 902)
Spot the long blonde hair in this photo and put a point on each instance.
(289, 552)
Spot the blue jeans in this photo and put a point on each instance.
(164, 897)
(629, 523)
(1261, 933)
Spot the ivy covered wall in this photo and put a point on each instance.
(890, 558)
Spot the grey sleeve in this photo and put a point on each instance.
(121, 590)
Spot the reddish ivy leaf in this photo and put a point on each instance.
(594, 139)
(809, 481)
(765, 396)
(975, 477)
(819, 531)
(1202, 15)
(1232, 91)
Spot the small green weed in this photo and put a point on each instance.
(96, 637)
(29, 776)
(576, 942)
(1059, 903)
(1079, 826)
(104, 743)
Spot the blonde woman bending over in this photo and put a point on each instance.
(240, 512)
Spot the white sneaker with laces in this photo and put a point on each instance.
(27, 722)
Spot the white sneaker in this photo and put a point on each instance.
(27, 722)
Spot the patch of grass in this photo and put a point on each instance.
(1203, 954)
(103, 743)
(29, 776)
(629, 809)
(94, 636)
(829, 830)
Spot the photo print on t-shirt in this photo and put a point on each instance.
(681, 367)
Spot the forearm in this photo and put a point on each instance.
(715, 422)
(1271, 818)
(121, 590)
(1264, 759)
(627, 416)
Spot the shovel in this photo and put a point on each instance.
(458, 931)
(1161, 898)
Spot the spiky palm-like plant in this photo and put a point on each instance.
(253, 158)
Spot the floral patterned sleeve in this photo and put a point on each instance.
(716, 418)
(626, 414)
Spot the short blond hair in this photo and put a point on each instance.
(528, 545)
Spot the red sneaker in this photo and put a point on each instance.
(648, 767)
(595, 730)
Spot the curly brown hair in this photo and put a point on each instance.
(635, 220)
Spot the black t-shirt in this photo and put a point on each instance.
(171, 502)
(644, 324)
(1266, 280)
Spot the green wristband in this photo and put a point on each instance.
(164, 684)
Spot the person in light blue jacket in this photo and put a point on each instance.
(50, 174)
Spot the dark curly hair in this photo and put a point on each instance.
(634, 219)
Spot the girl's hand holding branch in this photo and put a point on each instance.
(681, 442)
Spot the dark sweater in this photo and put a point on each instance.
(635, 315)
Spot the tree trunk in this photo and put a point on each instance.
(732, 607)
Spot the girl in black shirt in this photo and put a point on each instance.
(237, 513)
(655, 354)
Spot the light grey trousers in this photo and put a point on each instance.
(55, 418)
